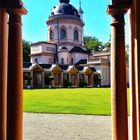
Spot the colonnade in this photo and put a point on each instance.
(11, 70)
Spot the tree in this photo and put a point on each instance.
(127, 53)
(93, 43)
(107, 45)
(27, 79)
(26, 50)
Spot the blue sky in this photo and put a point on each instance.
(97, 22)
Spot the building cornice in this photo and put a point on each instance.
(64, 18)
(42, 42)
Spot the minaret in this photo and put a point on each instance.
(80, 10)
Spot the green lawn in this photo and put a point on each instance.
(70, 101)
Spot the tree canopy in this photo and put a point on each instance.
(26, 50)
(107, 44)
(95, 44)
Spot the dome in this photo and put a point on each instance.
(64, 1)
(64, 8)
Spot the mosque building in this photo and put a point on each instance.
(63, 57)
(65, 37)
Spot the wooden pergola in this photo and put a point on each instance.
(11, 79)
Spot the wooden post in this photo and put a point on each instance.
(118, 75)
(3, 70)
(15, 76)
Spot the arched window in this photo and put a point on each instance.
(63, 34)
(51, 35)
(76, 35)
(62, 60)
(36, 60)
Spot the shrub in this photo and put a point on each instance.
(49, 79)
(27, 78)
(67, 83)
(82, 84)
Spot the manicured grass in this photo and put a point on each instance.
(70, 101)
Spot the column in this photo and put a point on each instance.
(69, 77)
(62, 83)
(85, 78)
(43, 80)
(32, 75)
(137, 61)
(91, 79)
(53, 81)
(133, 112)
(118, 75)
(15, 76)
(3, 71)
(78, 79)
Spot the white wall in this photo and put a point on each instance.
(48, 48)
(105, 75)
(43, 52)
(65, 56)
(36, 49)
(38, 57)
(43, 47)
(47, 59)
(78, 56)
(70, 29)
(104, 70)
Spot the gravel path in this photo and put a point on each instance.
(66, 127)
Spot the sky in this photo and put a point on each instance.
(97, 22)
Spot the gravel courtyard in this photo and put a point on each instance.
(66, 127)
